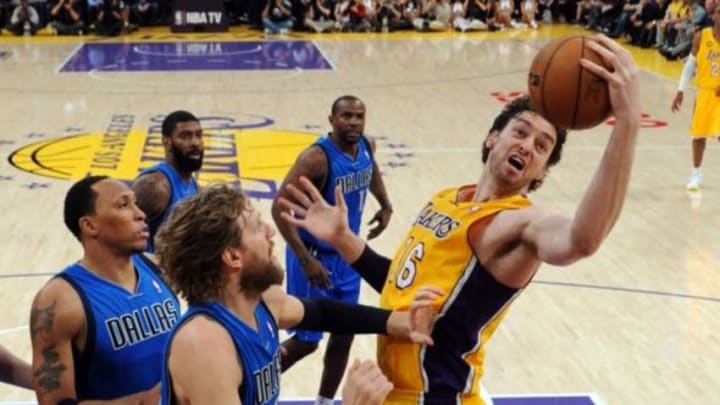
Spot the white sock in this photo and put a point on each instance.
(324, 401)
(697, 171)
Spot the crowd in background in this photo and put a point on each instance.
(667, 25)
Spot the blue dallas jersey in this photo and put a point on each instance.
(126, 331)
(179, 190)
(353, 175)
(258, 353)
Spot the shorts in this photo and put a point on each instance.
(344, 280)
(706, 115)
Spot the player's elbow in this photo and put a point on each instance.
(585, 247)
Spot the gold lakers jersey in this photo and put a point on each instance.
(436, 251)
(708, 61)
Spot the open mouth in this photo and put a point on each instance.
(516, 162)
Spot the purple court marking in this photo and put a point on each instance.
(504, 400)
(187, 56)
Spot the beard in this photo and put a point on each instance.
(350, 137)
(258, 277)
(184, 162)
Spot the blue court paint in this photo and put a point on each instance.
(196, 56)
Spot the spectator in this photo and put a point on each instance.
(66, 18)
(277, 16)
(145, 12)
(24, 20)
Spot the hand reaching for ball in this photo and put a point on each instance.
(623, 81)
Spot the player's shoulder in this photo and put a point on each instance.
(59, 291)
(150, 179)
(189, 345)
(311, 161)
(59, 298)
(200, 332)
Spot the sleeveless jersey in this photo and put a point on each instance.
(708, 61)
(179, 190)
(258, 353)
(126, 331)
(436, 251)
(353, 175)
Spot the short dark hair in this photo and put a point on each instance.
(79, 202)
(340, 99)
(512, 110)
(172, 119)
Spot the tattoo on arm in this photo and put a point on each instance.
(41, 319)
(49, 371)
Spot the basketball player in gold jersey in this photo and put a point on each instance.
(482, 244)
(705, 57)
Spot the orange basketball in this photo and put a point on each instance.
(564, 92)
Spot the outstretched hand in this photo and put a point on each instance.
(312, 213)
(422, 314)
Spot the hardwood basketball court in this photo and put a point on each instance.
(635, 324)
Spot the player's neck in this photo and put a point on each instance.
(184, 174)
(241, 304)
(350, 149)
(488, 189)
(116, 268)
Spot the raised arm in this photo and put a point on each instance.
(558, 240)
(153, 193)
(330, 224)
(215, 374)
(312, 164)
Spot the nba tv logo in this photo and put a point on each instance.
(179, 17)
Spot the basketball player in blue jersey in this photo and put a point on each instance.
(98, 328)
(344, 157)
(483, 243)
(217, 253)
(159, 187)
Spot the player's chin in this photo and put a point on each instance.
(140, 245)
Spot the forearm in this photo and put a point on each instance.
(372, 267)
(600, 207)
(14, 371)
(290, 234)
(377, 188)
(327, 315)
